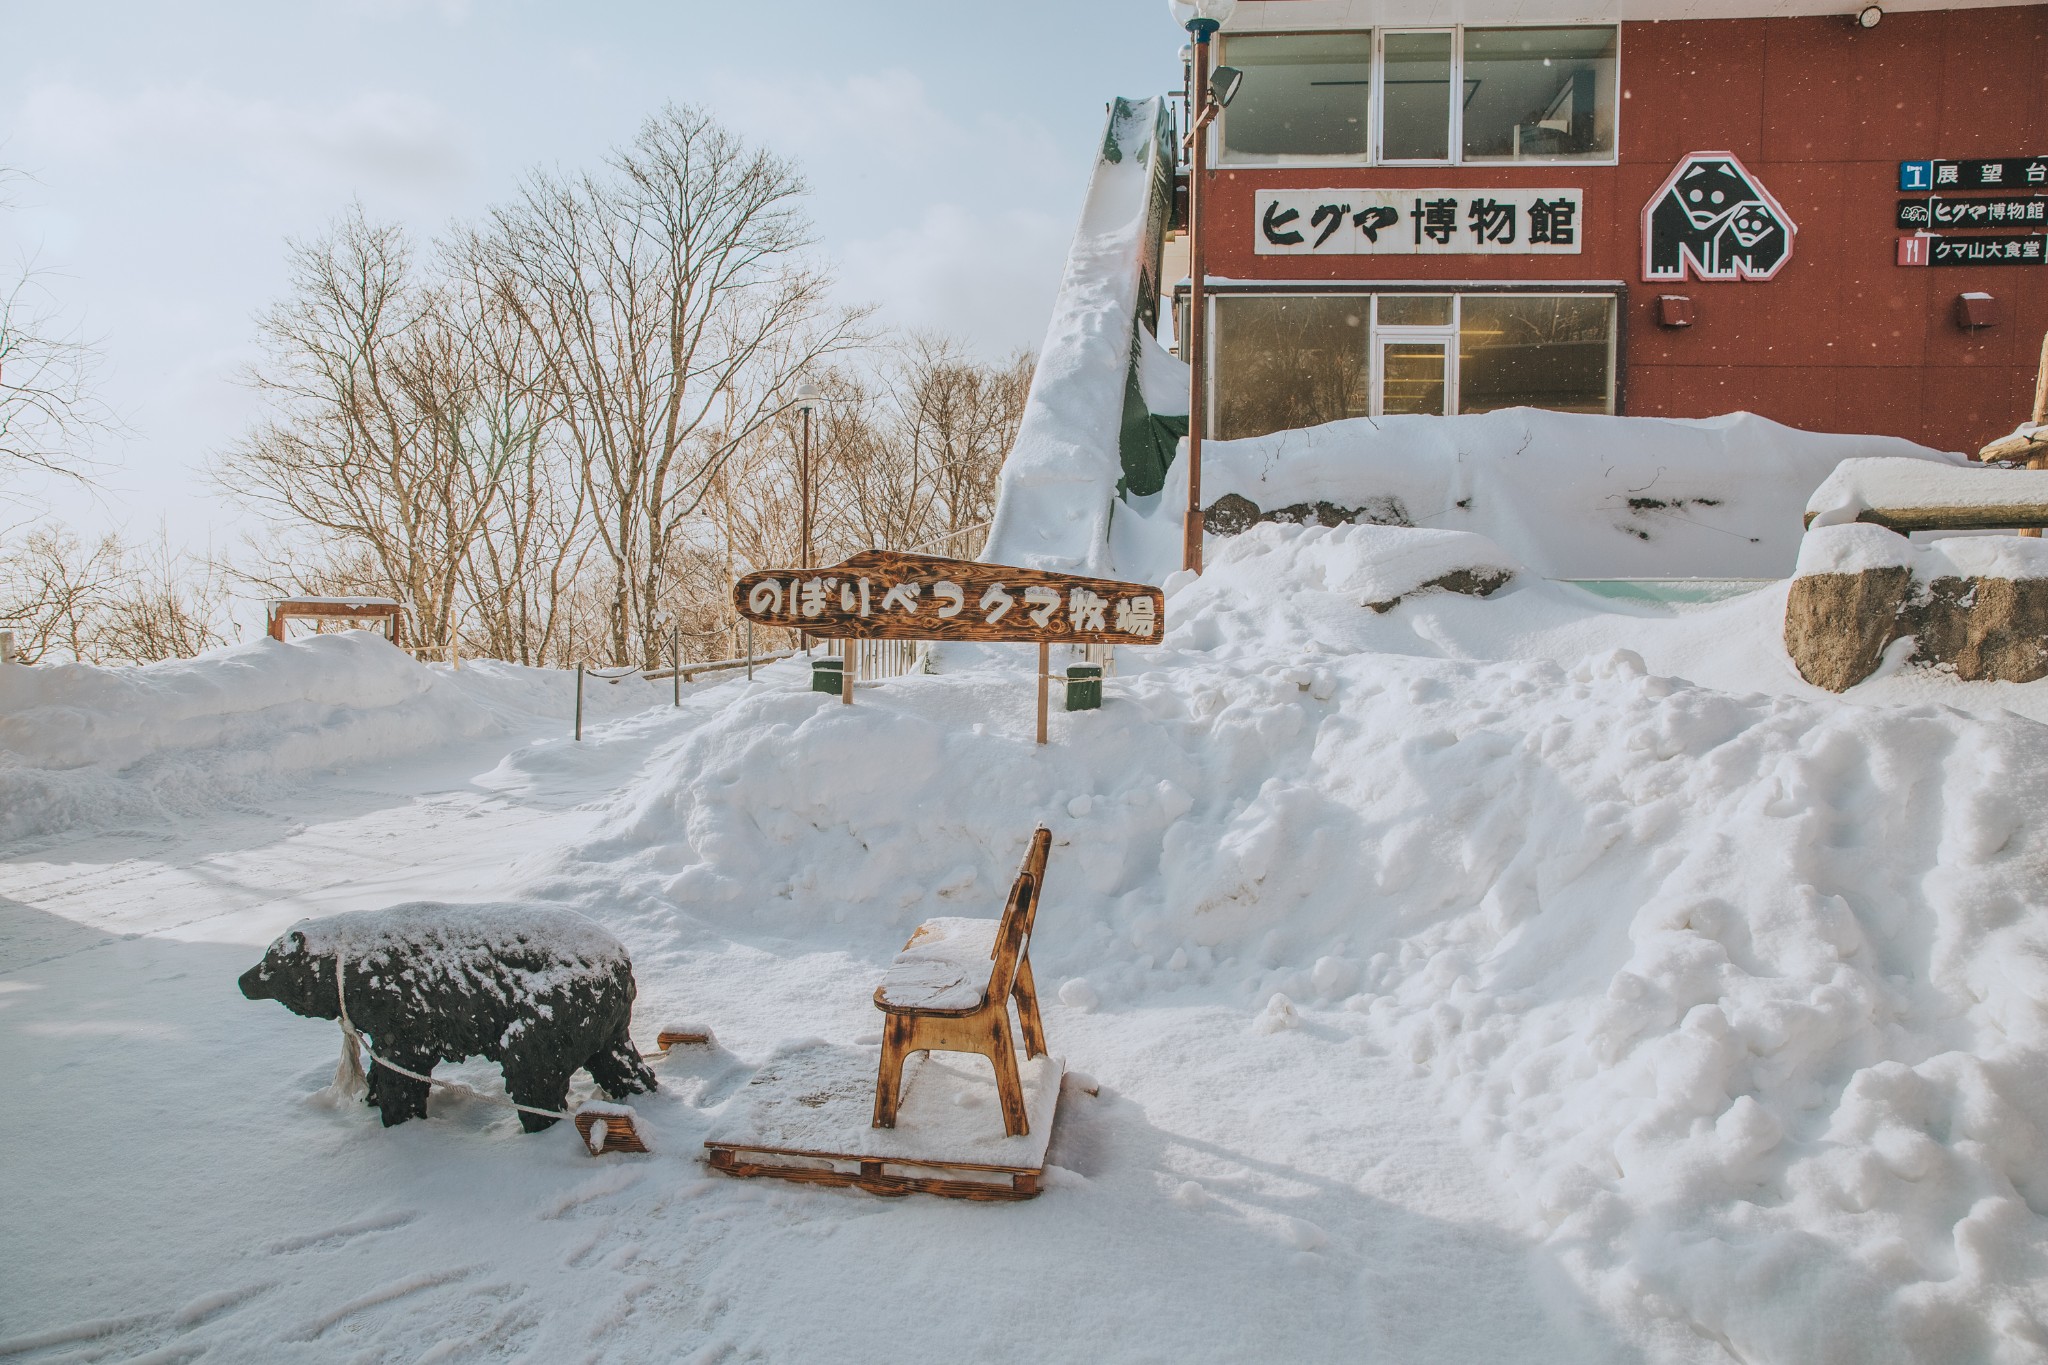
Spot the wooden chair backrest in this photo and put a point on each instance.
(1013, 935)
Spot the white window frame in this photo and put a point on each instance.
(1376, 123)
(1456, 111)
(1447, 333)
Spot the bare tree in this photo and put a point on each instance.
(383, 442)
(164, 605)
(49, 404)
(671, 302)
(920, 460)
(52, 587)
(105, 603)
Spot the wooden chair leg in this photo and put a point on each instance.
(1025, 993)
(889, 1080)
(1016, 1123)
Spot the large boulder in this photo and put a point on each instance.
(1977, 605)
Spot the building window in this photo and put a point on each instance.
(1305, 95)
(1535, 351)
(1294, 360)
(1539, 94)
(1441, 96)
(1284, 361)
(1415, 97)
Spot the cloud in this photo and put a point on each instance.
(378, 139)
(988, 278)
(903, 187)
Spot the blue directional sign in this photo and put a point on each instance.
(1916, 175)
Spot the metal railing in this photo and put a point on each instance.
(874, 660)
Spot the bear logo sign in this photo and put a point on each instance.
(1713, 220)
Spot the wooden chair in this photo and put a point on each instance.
(950, 988)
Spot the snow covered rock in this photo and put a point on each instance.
(541, 991)
(1976, 604)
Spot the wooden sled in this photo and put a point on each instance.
(807, 1116)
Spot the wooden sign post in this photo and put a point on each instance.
(886, 595)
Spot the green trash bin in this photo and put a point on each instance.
(1084, 687)
(828, 675)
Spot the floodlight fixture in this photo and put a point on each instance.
(1869, 16)
(1223, 84)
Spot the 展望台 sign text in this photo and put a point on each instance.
(1360, 222)
(884, 595)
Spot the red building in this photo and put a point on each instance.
(1835, 220)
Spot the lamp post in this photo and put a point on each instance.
(1200, 18)
(808, 396)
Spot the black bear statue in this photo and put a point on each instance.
(537, 989)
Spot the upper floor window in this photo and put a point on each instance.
(1433, 95)
(1539, 93)
(1305, 95)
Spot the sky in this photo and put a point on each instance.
(174, 148)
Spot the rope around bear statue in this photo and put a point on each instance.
(349, 1079)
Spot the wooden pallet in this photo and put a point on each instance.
(995, 1183)
(807, 1116)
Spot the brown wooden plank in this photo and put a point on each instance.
(876, 1178)
(888, 595)
(1903, 519)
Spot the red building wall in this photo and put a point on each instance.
(1821, 112)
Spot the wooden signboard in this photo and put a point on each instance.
(884, 595)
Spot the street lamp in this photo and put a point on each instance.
(808, 397)
(1200, 18)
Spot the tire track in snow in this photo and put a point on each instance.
(397, 1289)
(379, 1222)
(89, 1330)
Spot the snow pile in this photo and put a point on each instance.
(1855, 547)
(1745, 996)
(1361, 565)
(87, 746)
(1568, 495)
(1859, 485)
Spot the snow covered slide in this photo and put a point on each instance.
(1099, 368)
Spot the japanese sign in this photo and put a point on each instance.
(1714, 220)
(1989, 211)
(1360, 222)
(1992, 173)
(2006, 248)
(883, 595)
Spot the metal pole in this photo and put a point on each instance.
(750, 649)
(579, 703)
(1044, 681)
(804, 492)
(803, 483)
(1198, 105)
(676, 653)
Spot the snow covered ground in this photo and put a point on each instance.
(1544, 977)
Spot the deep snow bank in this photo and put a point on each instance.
(85, 746)
(1568, 495)
(1743, 995)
